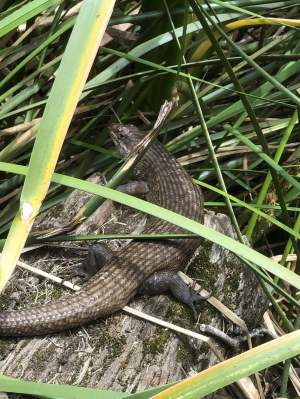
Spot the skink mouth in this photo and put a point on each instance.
(115, 127)
(120, 135)
(125, 137)
(114, 130)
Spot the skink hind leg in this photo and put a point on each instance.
(158, 283)
(162, 282)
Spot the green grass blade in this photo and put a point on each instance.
(258, 151)
(258, 68)
(264, 189)
(172, 217)
(59, 391)
(255, 210)
(14, 385)
(144, 48)
(24, 13)
(66, 26)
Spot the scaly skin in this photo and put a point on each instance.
(117, 282)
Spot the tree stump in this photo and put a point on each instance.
(121, 352)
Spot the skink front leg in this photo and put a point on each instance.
(98, 255)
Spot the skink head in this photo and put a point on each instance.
(125, 137)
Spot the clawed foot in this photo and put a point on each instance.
(162, 282)
(98, 255)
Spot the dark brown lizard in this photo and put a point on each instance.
(119, 280)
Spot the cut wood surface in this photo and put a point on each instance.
(121, 352)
